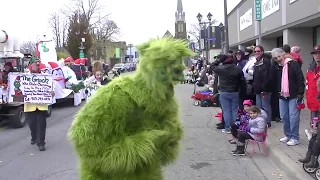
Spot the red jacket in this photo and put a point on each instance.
(311, 88)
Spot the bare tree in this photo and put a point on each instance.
(91, 9)
(28, 47)
(55, 24)
(194, 32)
(106, 29)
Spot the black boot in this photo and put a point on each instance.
(313, 162)
(219, 124)
(306, 159)
(240, 151)
(232, 152)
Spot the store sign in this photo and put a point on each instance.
(246, 20)
(292, 1)
(269, 7)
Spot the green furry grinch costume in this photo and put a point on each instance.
(131, 128)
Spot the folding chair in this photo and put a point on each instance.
(263, 137)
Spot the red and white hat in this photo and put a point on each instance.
(77, 62)
(53, 65)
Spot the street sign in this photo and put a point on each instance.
(81, 55)
(211, 39)
(117, 52)
(258, 10)
(201, 43)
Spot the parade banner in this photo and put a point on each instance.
(30, 88)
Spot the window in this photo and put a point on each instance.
(180, 28)
(213, 29)
(280, 41)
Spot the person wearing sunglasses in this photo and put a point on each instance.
(262, 81)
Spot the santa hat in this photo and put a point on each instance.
(53, 65)
(77, 62)
(68, 59)
(82, 61)
(43, 66)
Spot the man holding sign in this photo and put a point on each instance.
(36, 113)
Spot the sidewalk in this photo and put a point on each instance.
(287, 156)
(283, 156)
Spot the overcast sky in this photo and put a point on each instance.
(139, 20)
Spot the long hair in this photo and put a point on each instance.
(97, 66)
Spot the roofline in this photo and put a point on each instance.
(235, 8)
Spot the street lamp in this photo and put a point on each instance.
(205, 25)
(83, 40)
(221, 26)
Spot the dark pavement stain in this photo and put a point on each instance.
(199, 165)
(189, 148)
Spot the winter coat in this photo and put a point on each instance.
(230, 77)
(258, 125)
(248, 69)
(296, 80)
(311, 88)
(262, 76)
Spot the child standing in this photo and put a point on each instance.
(257, 124)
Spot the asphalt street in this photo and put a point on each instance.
(205, 152)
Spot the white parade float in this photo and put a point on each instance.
(66, 84)
(10, 53)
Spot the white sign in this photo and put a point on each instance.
(292, 1)
(201, 43)
(269, 7)
(30, 88)
(246, 20)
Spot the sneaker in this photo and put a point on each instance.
(227, 131)
(292, 142)
(42, 148)
(32, 142)
(284, 140)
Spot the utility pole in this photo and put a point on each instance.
(226, 31)
(130, 58)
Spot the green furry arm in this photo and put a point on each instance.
(170, 148)
(100, 138)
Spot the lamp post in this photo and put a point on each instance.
(83, 40)
(205, 25)
(221, 26)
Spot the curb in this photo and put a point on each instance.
(293, 169)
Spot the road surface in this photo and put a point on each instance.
(205, 153)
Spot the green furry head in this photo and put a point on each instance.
(160, 62)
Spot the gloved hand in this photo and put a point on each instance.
(248, 129)
(216, 62)
(300, 97)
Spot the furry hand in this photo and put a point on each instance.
(248, 129)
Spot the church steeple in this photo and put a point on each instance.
(179, 6)
(180, 15)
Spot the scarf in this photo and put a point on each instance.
(285, 79)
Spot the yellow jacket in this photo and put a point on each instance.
(34, 107)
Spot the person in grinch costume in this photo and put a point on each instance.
(131, 127)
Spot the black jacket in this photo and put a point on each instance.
(230, 77)
(262, 76)
(296, 79)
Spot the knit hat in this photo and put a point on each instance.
(247, 102)
(34, 59)
(316, 49)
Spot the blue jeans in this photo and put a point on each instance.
(290, 116)
(265, 104)
(229, 103)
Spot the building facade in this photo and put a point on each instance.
(293, 22)
(180, 23)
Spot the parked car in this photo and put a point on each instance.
(119, 66)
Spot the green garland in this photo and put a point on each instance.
(77, 87)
